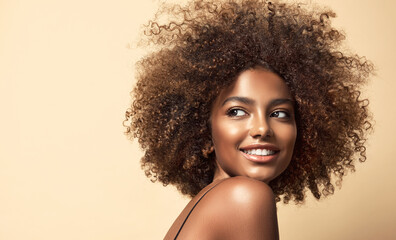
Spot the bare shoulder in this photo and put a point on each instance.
(242, 193)
(242, 208)
(244, 190)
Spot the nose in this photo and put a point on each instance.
(260, 128)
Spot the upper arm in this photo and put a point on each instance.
(242, 208)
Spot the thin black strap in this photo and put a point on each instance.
(194, 207)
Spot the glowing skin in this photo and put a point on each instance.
(253, 127)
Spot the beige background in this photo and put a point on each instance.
(68, 172)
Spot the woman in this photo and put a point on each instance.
(245, 103)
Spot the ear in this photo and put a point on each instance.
(209, 148)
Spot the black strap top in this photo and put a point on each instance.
(185, 220)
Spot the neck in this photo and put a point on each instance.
(219, 173)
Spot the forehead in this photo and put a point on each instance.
(258, 84)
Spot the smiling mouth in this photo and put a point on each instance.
(259, 152)
(261, 155)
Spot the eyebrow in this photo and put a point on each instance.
(250, 101)
(244, 100)
(280, 101)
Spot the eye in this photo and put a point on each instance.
(280, 114)
(236, 112)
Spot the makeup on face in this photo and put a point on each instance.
(253, 127)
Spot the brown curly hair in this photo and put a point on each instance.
(201, 49)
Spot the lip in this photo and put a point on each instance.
(260, 159)
(260, 146)
(257, 158)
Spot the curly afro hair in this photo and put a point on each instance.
(203, 46)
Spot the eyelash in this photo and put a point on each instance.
(287, 115)
(231, 113)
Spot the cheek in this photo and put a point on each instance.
(290, 137)
(227, 134)
(287, 136)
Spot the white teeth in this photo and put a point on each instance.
(259, 152)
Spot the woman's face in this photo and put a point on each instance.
(253, 127)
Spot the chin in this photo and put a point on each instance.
(266, 179)
(265, 176)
